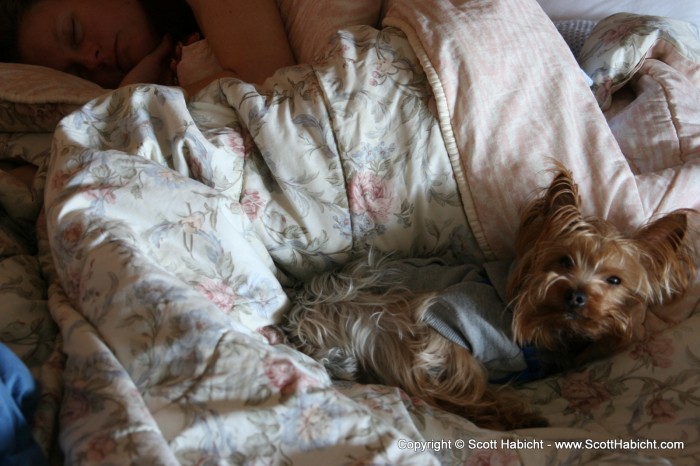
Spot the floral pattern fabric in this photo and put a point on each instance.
(176, 225)
(619, 45)
(26, 325)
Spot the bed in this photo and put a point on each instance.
(161, 234)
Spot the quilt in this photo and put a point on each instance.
(173, 227)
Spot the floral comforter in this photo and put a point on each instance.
(174, 227)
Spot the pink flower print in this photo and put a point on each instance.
(372, 196)
(196, 168)
(582, 393)
(71, 236)
(656, 349)
(280, 372)
(383, 68)
(75, 281)
(60, 180)
(312, 420)
(615, 35)
(661, 411)
(99, 448)
(192, 223)
(495, 457)
(105, 194)
(234, 140)
(272, 334)
(168, 176)
(240, 142)
(337, 53)
(252, 203)
(217, 292)
(287, 378)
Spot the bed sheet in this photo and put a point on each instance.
(26, 325)
(175, 226)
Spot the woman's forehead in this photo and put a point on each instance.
(37, 34)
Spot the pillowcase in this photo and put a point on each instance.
(310, 24)
(34, 98)
(619, 44)
(687, 10)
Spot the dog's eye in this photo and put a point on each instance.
(566, 262)
(615, 281)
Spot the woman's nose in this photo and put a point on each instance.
(91, 56)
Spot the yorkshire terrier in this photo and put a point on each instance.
(577, 290)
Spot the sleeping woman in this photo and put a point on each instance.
(119, 42)
(115, 43)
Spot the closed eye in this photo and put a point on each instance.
(70, 32)
(74, 33)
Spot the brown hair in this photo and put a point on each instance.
(172, 17)
(11, 12)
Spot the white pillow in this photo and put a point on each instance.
(686, 10)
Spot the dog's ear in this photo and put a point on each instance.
(562, 192)
(668, 257)
(666, 232)
(555, 210)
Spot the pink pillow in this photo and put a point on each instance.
(310, 24)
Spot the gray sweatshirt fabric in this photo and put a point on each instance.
(470, 310)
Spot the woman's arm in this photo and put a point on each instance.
(154, 67)
(246, 36)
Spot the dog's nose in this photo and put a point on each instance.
(576, 299)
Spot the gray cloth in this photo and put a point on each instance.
(470, 310)
(575, 32)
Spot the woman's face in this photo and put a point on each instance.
(99, 40)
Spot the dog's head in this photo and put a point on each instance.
(580, 282)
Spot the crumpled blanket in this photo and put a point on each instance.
(176, 225)
(650, 92)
